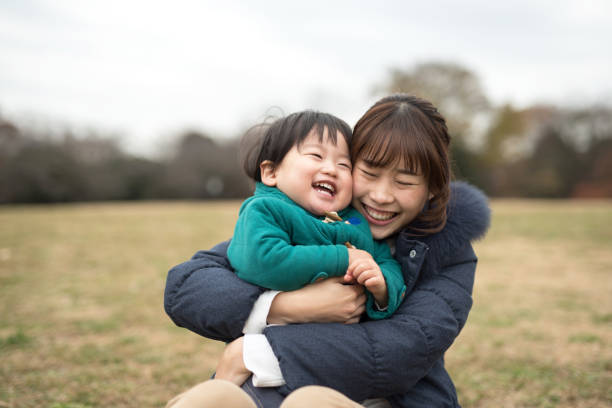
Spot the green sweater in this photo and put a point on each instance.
(279, 245)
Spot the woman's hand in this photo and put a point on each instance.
(231, 364)
(328, 301)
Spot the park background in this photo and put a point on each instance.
(119, 135)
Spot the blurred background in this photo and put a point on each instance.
(127, 101)
(135, 100)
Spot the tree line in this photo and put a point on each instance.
(541, 151)
(65, 168)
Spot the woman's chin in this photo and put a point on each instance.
(382, 231)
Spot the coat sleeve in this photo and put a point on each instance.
(262, 251)
(396, 289)
(383, 357)
(205, 296)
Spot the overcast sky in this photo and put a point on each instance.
(145, 69)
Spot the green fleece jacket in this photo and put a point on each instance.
(279, 245)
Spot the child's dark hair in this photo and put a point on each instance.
(272, 141)
(408, 128)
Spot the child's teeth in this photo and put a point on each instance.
(325, 185)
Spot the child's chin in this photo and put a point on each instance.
(323, 210)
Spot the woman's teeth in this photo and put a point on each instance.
(379, 215)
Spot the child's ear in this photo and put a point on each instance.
(268, 173)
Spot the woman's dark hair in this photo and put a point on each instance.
(407, 128)
(272, 141)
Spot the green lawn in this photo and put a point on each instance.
(82, 321)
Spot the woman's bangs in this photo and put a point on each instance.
(391, 147)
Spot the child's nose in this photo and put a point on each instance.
(329, 167)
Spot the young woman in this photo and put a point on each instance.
(402, 186)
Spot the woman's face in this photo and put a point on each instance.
(388, 197)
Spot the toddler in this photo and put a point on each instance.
(298, 226)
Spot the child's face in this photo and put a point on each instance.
(388, 197)
(316, 175)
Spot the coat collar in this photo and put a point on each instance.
(468, 219)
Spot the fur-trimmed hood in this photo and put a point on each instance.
(468, 219)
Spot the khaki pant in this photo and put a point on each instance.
(220, 393)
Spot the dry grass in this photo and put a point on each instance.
(540, 332)
(82, 322)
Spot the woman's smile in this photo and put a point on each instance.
(377, 216)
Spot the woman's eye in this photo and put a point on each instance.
(404, 183)
(368, 174)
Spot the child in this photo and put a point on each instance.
(298, 227)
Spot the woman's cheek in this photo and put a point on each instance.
(357, 186)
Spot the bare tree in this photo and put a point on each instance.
(454, 89)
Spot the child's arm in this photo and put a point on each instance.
(382, 276)
(262, 252)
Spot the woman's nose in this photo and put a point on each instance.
(380, 194)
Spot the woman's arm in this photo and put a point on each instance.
(362, 360)
(205, 296)
(384, 357)
(327, 301)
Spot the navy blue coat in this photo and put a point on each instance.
(400, 358)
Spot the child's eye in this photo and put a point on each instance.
(348, 166)
(316, 155)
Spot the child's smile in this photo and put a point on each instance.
(325, 187)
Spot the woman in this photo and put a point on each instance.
(401, 184)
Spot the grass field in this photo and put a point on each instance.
(82, 322)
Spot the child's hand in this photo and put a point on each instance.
(354, 255)
(366, 272)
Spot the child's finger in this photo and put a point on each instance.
(353, 268)
(365, 275)
(373, 282)
(360, 268)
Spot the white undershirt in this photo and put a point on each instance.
(257, 353)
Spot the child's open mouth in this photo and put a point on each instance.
(325, 188)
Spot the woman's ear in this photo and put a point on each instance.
(268, 173)
(431, 195)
